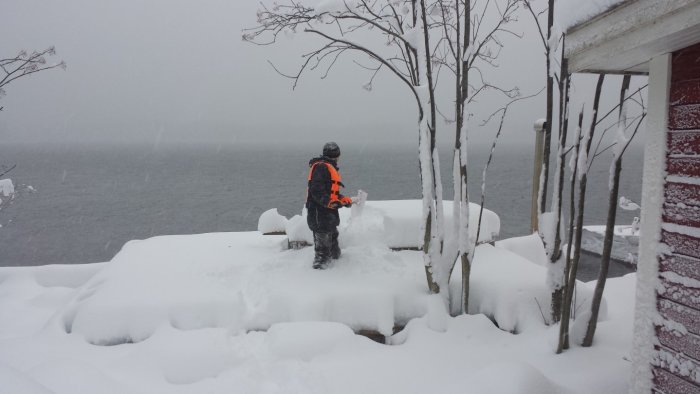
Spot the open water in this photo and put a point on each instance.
(90, 200)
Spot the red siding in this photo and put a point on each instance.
(682, 265)
(678, 303)
(672, 383)
(681, 243)
(686, 93)
(684, 142)
(684, 117)
(683, 166)
(690, 343)
(682, 314)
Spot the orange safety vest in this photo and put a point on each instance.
(335, 182)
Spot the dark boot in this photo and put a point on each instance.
(335, 249)
(322, 247)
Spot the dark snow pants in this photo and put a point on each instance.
(326, 247)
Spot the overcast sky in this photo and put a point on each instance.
(150, 71)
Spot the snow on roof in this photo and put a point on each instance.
(569, 13)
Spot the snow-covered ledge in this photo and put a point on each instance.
(623, 38)
(650, 233)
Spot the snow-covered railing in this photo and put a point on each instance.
(396, 223)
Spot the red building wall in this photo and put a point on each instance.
(676, 364)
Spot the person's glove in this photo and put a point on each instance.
(334, 205)
(346, 201)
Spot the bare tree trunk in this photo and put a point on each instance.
(432, 185)
(571, 279)
(566, 308)
(550, 105)
(609, 226)
(563, 128)
(461, 155)
(605, 259)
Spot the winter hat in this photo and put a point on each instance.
(331, 149)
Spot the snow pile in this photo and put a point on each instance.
(272, 222)
(529, 247)
(394, 223)
(512, 290)
(569, 13)
(298, 230)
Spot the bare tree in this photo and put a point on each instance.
(422, 37)
(25, 64)
(404, 27)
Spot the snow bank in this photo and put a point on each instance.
(511, 290)
(394, 223)
(272, 222)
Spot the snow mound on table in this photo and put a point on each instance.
(398, 222)
(394, 223)
(298, 230)
(272, 222)
(529, 247)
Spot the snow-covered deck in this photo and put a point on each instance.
(237, 311)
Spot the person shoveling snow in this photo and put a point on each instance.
(323, 199)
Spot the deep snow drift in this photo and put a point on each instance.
(238, 312)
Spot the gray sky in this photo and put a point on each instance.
(152, 71)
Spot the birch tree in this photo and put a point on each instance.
(549, 222)
(422, 37)
(471, 41)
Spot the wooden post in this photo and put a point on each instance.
(539, 127)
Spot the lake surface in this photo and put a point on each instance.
(89, 201)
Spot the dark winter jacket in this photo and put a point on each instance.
(320, 218)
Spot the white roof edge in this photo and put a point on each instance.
(626, 36)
